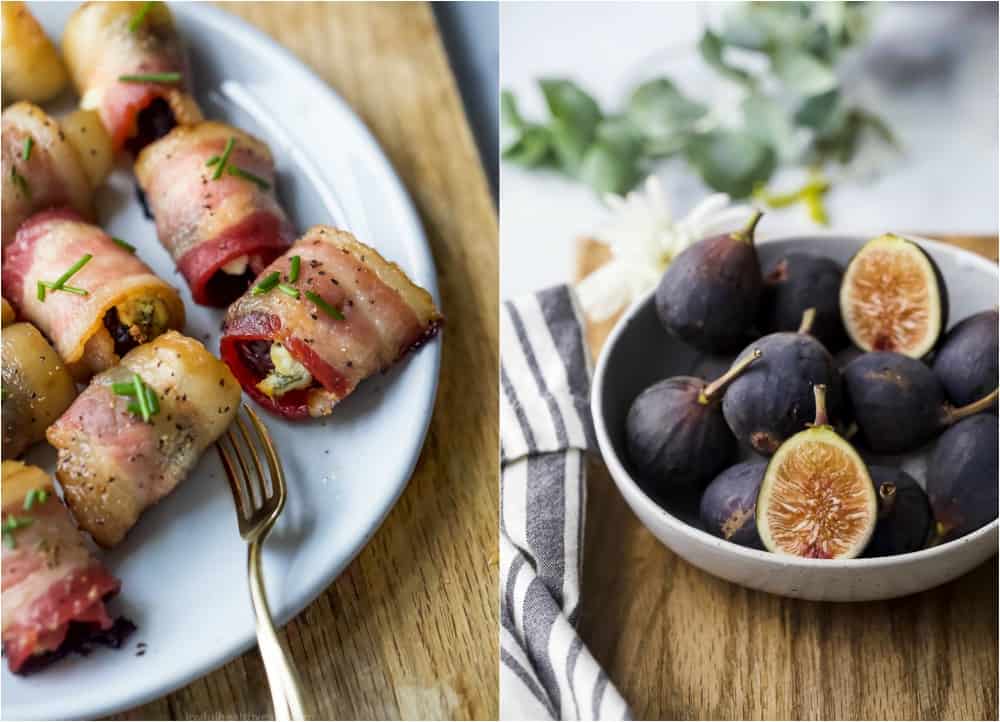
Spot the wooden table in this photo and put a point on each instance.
(409, 630)
(682, 644)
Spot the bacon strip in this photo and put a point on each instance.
(100, 47)
(385, 316)
(112, 465)
(37, 388)
(48, 244)
(52, 175)
(50, 578)
(206, 223)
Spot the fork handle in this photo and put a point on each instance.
(281, 675)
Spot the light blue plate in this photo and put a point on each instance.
(183, 567)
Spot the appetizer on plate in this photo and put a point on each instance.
(211, 189)
(324, 316)
(32, 69)
(137, 430)
(51, 581)
(128, 64)
(49, 163)
(37, 388)
(87, 292)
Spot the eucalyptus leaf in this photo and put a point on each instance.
(532, 149)
(658, 109)
(607, 169)
(820, 112)
(711, 48)
(802, 72)
(767, 121)
(733, 162)
(570, 104)
(510, 116)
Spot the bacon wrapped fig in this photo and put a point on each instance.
(37, 388)
(326, 315)
(93, 298)
(211, 189)
(137, 431)
(32, 69)
(50, 578)
(128, 64)
(49, 163)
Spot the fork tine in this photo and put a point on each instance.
(244, 432)
(247, 479)
(231, 477)
(273, 461)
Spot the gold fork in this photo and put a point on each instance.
(258, 505)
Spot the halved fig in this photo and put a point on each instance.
(817, 499)
(893, 298)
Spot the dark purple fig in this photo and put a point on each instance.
(774, 399)
(905, 519)
(966, 363)
(817, 499)
(727, 506)
(962, 477)
(893, 298)
(899, 404)
(799, 281)
(675, 433)
(709, 294)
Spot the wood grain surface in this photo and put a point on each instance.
(410, 629)
(682, 644)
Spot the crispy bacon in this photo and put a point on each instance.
(207, 223)
(50, 578)
(112, 465)
(100, 47)
(385, 315)
(115, 280)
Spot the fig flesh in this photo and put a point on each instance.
(727, 506)
(709, 295)
(676, 437)
(817, 499)
(899, 404)
(774, 399)
(962, 477)
(905, 519)
(799, 281)
(893, 298)
(966, 363)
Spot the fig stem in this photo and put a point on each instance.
(819, 394)
(745, 234)
(720, 383)
(887, 498)
(953, 414)
(808, 319)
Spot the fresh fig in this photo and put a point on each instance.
(966, 363)
(899, 404)
(798, 281)
(727, 506)
(774, 399)
(709, 294)
(817, 499)
(893, 298)
(675, 433)
(962, 477)
(905, 519)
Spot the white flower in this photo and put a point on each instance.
(643, 238)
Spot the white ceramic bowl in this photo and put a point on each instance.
(639, 352)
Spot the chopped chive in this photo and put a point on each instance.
(134, 408)
(139, 16)
(8, 539)
(61, 281)
(29, 143)
(124, 244)
(221, 165)
(247, 175)
(68, 289)
(140, 396)
(213, 160)
(20, 181)
(152, 400)
(12, 524)
(288, 290)
(123, 388)
(269, 281)
(329, 310)
(41, 290)
(33, 495)
(167, 78)
(293, 272)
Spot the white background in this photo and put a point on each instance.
(931, 72)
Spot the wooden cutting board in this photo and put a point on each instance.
(681, 644)
(409, 630)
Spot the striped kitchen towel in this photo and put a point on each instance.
(546, 672)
